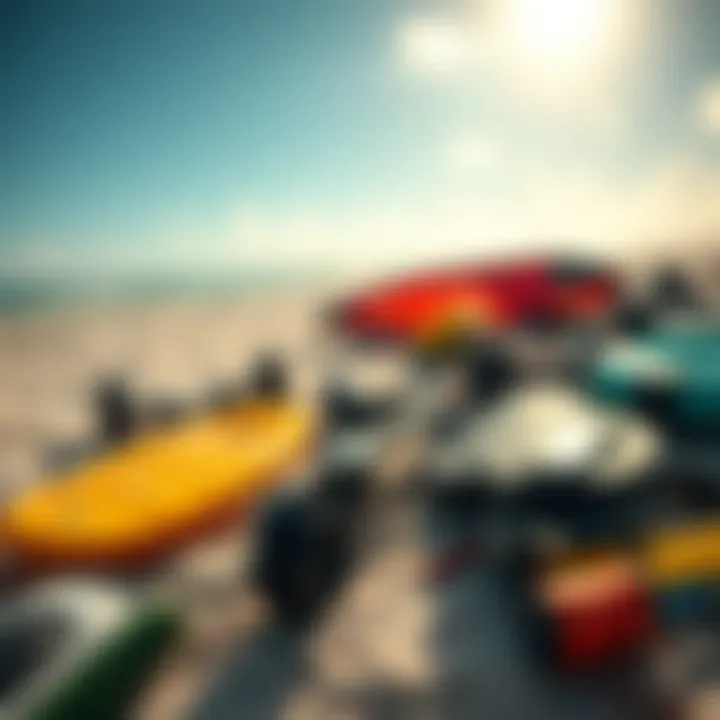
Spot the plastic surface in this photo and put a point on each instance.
(154, 495)
(682, 358)
(685, 555)
(500, 295)
(597, 611)
(106, 649)
(553, 433)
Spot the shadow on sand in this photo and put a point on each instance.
(258, 679)
(488, 669)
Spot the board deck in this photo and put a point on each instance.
(500, 295)
(155, 494)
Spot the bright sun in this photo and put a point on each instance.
(557, 51)
(564, 37)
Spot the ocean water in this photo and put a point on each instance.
(24, 295)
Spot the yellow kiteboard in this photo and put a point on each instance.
(155, 494)
(684, 555)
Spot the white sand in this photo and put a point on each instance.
(50, 363)
(371, 656)
(48, 367)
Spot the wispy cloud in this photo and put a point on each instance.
(467, 153)
(676, 202)
(438, 45)
(707, 110)
(567, 56)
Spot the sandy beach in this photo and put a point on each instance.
(381, 649)
(184, 186)
(49, 364)
(234, 659)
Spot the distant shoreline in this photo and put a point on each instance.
(32, 296)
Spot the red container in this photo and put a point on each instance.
(598, 611)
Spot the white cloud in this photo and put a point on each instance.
(677, 203)
(680, 200)
(562, 56)
(467, 153)
(435, 45)
(708, 107)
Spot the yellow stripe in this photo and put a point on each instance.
(685, 554)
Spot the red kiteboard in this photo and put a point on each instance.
(503, 295)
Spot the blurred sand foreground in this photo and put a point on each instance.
(377, 653)
(48, 366)
(50, 362)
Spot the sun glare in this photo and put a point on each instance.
(564, 38)
(566, 28)
(563, 55)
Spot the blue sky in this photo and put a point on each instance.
(224, 133)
